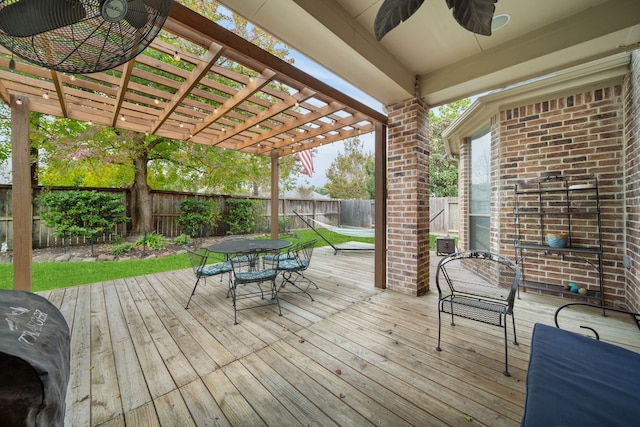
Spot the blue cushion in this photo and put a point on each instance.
(575, 380)
(214, 269)
(256, 276)
(240, 258)
(293, 264)
(280, 257)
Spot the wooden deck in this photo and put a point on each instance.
(356, 356)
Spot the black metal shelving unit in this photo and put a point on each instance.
(552, 205)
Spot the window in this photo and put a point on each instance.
(479, 190)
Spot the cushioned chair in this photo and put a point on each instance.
(294, 265)
(286, 253)
(250, 271)
(479, 286)
(202, 270)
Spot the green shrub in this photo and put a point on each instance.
(152, 241)
(198, 217)
(121, 248)
(183, 239)
(81, 213)
(284, 224)
(242, 216)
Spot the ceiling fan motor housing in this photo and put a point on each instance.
(114, 10)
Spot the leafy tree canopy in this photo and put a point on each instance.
(348, 174)
(443, 170)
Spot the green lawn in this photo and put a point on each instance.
(54, 275)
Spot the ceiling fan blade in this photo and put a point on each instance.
(137, 14)
(474, 15)
(28, 18)
(392, 13)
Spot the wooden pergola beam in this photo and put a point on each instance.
(202, 68)
(254, 86)
(22, 194)
(200, 29)
(122, 90)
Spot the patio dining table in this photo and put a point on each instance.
(248, 245)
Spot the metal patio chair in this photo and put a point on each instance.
(250, 271)
(202, 270)
(285, 253)
(479, 286)
(294, 265)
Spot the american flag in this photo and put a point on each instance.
(307, 161)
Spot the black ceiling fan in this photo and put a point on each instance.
(80, 36)
(473, 15)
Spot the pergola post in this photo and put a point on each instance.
(22, 193)
(380, 207)
(275, 178)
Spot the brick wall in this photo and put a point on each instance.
(574, 134)
(632, 180)
(408, 197)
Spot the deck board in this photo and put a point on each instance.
(105, 400)
(355, 356)
(202, 406)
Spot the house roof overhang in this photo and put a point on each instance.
(220, 91)
(478, 116)
(431, 57)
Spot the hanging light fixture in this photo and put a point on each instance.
(80, 36)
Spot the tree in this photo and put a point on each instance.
(5, 132)
(370, 168)
(319, 190)
(347, 176)
(443, 170)
(38, 125)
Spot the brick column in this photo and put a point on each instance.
(408, 197)
(632, 181)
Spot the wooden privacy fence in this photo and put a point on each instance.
(165, 207)
(444, 215)
(166, 210)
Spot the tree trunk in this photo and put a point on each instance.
(141, 214)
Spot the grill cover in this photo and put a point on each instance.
(34, 360)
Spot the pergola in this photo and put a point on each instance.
(221, 91)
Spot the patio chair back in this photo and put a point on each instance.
(287, 253)
(251, 268)
(480, 286)
(294, 266)
(202, 270)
